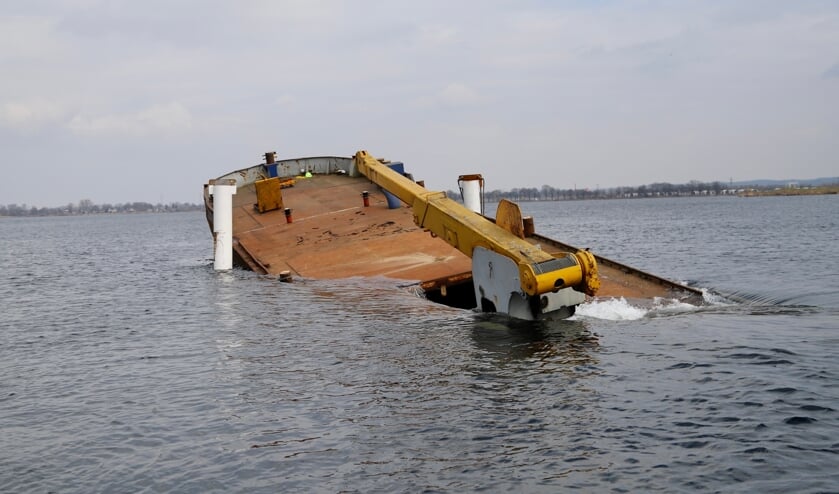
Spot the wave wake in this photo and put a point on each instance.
(620, 309)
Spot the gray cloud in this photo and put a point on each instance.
(832, 72)
(527, 93)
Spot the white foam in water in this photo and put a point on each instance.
(714, 299)
(618, 309)
(671, 306)
(613, 309)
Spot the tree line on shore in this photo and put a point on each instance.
(660, 189)
(545, 193)
(86, 206)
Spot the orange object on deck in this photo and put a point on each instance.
(268, 194)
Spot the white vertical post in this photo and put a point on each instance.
(222, 192)
(471, 187)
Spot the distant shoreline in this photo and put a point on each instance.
(792, 191)
(532, 195)
(553, 195)
(14, 211)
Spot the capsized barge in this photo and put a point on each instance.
(339, 217)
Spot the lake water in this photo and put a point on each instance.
(128, 365)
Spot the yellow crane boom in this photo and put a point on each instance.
(539, 272)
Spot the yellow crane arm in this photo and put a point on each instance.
(464, 229)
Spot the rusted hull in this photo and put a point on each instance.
(327, 232)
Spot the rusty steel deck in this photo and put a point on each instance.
(332, 235)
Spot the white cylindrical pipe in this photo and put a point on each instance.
(470, 187)
(222, 192)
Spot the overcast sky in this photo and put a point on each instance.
(124, 100)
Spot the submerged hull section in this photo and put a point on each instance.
(326, 229)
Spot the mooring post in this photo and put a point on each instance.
(222, 191)
(472, 190)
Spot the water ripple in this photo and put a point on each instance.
(139, 369)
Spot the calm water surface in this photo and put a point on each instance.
(128, 365)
